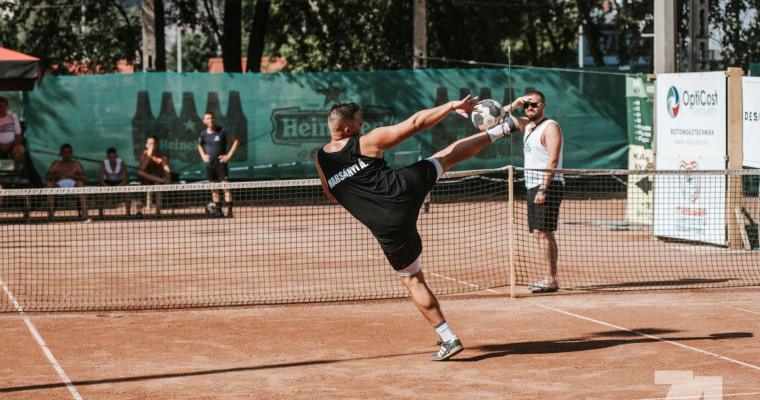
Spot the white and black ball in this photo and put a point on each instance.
(492, 114)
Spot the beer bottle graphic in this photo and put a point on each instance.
(166, 123)
(506, 148)
(212, 106)
(509, 97)
(463, 127)
(237, 126)
(485, 94)
(440, 133)
(185, 139)
(143, 124)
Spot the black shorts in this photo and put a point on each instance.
(217, 174)
(400, 241)
(543, 217)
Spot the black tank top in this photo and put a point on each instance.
(385, 200)
(365, 186)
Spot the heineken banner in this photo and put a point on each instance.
(639, 95)
(691, 136)
(281, 119)
(751, 121)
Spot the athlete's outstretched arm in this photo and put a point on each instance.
(386, 137)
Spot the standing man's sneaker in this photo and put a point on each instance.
(447, 350)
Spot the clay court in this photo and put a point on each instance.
(560, 346)
(144, 313)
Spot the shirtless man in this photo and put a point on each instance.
(66, 173)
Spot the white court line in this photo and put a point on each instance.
(706, 396)
(741, 309)
(706, 249)
(648, 336)
(462, 282)
(636, 332)
(41, 342)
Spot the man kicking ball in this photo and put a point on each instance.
(387, 201)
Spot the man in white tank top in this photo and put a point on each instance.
(542, 147)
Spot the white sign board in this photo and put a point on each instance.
(691, 136)
(751, 121)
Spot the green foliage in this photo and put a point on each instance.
(632, 19)
(738, 32)
(368, 35)
(345, 35)
(97, 33)
(197, 48)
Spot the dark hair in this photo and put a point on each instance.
(209, 113)
(111, 150)
(154, 137)
(4, 99)
(343, 111)
(537, 93)
(66, 146)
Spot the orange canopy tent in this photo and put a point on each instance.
(17, 71)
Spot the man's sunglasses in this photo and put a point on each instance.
(528, 105)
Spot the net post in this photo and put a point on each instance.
(735, 161)
(511, 227)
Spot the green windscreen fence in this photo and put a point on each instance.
(280, 119)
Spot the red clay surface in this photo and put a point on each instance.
(569, 345)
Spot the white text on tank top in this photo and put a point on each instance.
(537, 156)
(113, 175)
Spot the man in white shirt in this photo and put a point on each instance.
(11, 141)
(542, 147)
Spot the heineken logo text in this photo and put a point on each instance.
(293, 126)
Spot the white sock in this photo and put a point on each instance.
(504, 128)
(445, 332)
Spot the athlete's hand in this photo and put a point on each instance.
(462, 107)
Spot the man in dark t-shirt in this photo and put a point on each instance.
(212, 146)
(387, 201)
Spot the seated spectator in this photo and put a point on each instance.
(113, 172)
(66, 173)
(11, 140)
(154, 169)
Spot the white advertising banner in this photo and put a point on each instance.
(751, 121)
(690, 136)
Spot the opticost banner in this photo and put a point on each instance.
(691, 136)
(751, 121)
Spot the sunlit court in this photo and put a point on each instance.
(278, 199)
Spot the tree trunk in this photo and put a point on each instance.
(257, 35)
(231, 32)
(591, 31)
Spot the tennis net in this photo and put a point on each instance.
(285, 242)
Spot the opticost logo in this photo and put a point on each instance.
(685, 385)
(701, 101)
(690, 185)
(673, 102)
